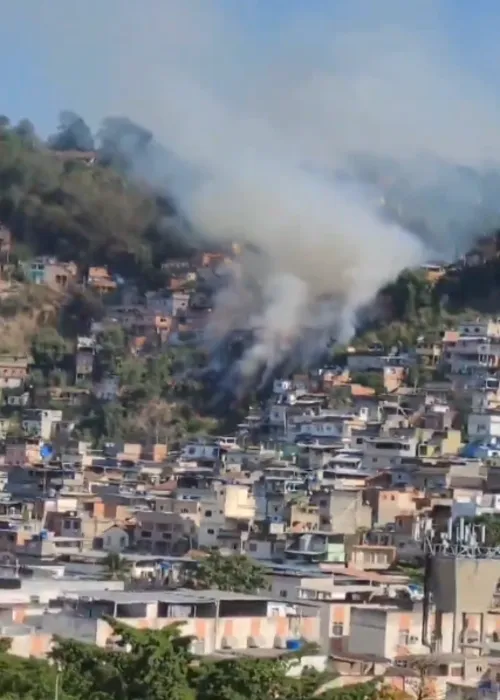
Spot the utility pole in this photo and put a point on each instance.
(57, 684)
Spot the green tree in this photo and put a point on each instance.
(254, 679)
(103, 421)
(73, 134)
(236, 572)
(92, 215)
(112, 346)
(155, 420)
(492, 528)
(116, 567)
(48, 348)
(159, 665)
(25, 679)
(156, 666)
(132, 372)
(58, 378)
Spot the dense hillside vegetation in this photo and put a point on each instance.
(55, 204)
(414, 307)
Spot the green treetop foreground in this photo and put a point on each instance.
(158, 665)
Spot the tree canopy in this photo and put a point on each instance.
(236, 572)
(73, 134)
(159, 665)
(56, 204)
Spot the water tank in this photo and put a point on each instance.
(45, 451)
(293, 644)
(44, 534)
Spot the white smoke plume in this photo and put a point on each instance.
(266, 106)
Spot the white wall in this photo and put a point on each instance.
(367, 631)
(483, 424)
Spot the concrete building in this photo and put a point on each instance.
(342, 512)
(13, 370)
(217, 620)
(41, 422)
(115, 539)
(383, 451)
(483, 424)
(55, 274)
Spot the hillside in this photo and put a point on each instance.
(24, 309)
(416, 306)
(71, 197)
(58, 203)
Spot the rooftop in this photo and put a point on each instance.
(179, 596)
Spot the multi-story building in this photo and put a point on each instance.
(13, 370)
(100, 279)
(216, 620)
(41, 422)
(55, 274)
(84, 358)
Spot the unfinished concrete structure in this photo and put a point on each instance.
(462, 574)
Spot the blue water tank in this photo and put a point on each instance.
(45, 451)
(293, 644)
(44, 534)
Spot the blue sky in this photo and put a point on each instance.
(30, 88)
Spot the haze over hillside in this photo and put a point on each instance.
(254, 126)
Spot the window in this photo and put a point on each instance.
(252, 547)
(208, 513)
(338, 629)
(404, 637)
(210, 531)
(284, 594)
(145, 533)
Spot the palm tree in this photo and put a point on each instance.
(116, 567)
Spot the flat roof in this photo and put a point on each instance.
(180, 596)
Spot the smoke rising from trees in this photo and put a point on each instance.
(344, 144)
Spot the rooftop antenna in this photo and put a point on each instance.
(461, 576)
